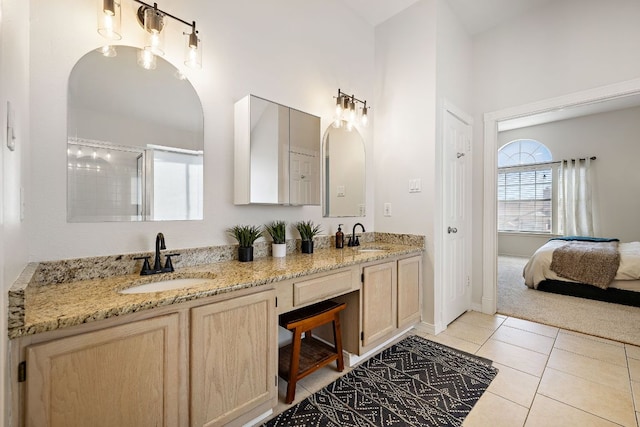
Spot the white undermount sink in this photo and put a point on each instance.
(164, 285)
(372, 249)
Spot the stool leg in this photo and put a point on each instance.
(337, 339)
(294, 366)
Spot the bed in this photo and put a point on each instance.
(622, 285)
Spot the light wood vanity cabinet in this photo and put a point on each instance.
(233, 360)
(390, 299)
(379, 301)
(203, 363)
(120, 376)
(409, 284)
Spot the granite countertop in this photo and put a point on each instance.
(37, 309)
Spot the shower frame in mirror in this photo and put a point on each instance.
(125, 126)
(344, 172)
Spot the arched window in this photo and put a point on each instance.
(523, 152)
(526, 188)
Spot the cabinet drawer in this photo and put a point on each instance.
(321, 288)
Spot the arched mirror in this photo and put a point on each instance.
(135, 141)
(344, 178)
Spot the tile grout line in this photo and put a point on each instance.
(541, 377)
(635, 408)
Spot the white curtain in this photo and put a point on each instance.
(576, 198)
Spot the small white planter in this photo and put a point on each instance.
(279, 250)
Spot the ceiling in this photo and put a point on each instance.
(475, 15)
(376, 11)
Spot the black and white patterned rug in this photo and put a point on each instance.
(415, 382)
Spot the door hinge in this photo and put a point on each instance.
(276, 381)
(22, 371)
(362, 278)
(276, 301)
(362, 336)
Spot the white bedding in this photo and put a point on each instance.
(538, 267)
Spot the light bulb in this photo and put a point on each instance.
(154, 25)
(339, 106)
(155, 43)
(352, 112)
(109, 19)
(193, 53)
(365, 116)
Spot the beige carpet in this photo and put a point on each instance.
(602, 319)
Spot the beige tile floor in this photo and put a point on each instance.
(547, 376)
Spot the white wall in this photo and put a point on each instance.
(561, 48)
(14, 72)
(423, 56)
(613, 138)
(295, 55)
(405, 132)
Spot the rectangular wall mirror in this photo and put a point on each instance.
(277, 154)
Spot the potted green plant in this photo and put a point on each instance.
(245, 235)
(278, 232)
(308, 230)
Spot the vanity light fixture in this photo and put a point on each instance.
(109, 19)
(347, 111)
(153, 21)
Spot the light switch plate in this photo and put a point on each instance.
(387, 209)
(415, 185)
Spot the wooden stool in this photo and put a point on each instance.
(300, 358)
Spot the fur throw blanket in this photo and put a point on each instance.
(593, 263)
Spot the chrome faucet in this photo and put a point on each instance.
(157, 264)
(353, 239)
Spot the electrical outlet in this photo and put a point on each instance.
(361, 210)
(387, 209)
(340, 191)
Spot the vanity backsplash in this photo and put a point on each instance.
(72, 270)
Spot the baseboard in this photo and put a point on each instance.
(476, 307)
(258, 420)
(488, 305)
(427, 328)
(351, 359)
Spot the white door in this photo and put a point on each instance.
(456, 272)
(304, 176)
